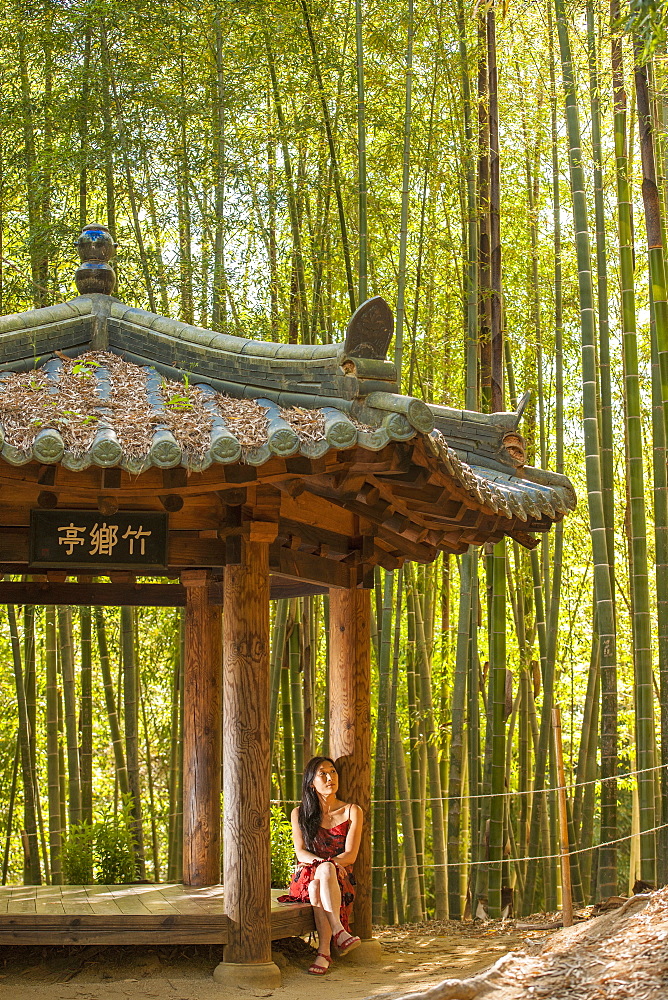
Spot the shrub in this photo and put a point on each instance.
(78, 852)
(115, 857)
(282, 849)
(102, 852)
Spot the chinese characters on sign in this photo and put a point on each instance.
(59, 537)
(103, 538)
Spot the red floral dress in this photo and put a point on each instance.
(328, 844)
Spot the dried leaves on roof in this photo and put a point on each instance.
(309, 425)
(31, 402)
(99, 388)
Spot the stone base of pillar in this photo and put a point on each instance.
(261, 976)
(369, 951)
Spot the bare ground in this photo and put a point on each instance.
(414, 958)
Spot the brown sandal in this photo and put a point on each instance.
(320, 970)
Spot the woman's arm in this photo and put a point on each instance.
(349, 854)
(305, 856)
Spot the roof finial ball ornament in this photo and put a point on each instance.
(96, 246)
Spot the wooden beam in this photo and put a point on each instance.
(246, 753)
(188, 550)
(314, 537)
(311, 569)
(350, 723)
(202, 733)
(14, 546)
(286, 586)
(136, 595)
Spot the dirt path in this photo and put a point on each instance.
(413, 958)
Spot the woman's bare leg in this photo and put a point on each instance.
(330, 900)
(330, 894)
(322, 924)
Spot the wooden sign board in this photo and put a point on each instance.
(87, 538)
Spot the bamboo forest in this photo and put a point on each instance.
(498, 173)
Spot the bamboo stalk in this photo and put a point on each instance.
(110, 702)
(437, 826)
(640, 618)
(131, 733)
(175, 806)
(405, 197)
(381, 756)
(52, 762)
(86, 753)
(607, 874)
(336, 173)
(10, 808)
(70, 702)
(457, 739)
(300, 281)
(566, 892)
(361, 155)
(155, 848)
(605, 387)
(33, 872)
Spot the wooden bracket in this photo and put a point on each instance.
(263, 531)
(240, 474)
(233, 497)
(47, 475)
(195, 577)
(293, 487)
(47, 500)
(111, 479)
(173, 479)
(171, 502)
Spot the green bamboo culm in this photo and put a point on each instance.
(413, 890)
(131, 731)
(86, 755)
(277, 647)
(296, 695)
(361, 154)
(605, 387)
(52, 763)
(457, 739)
(405, 200)
(70, 700)
(659, 322)
(382, 749)
(290, 785)
(640, 603)
(497, 690)
(32, 867)
(607, 870)
(302, 307)
(336, 172)
(110, 702)
(435, 797)
(175, 744)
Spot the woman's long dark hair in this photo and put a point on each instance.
(310, 810)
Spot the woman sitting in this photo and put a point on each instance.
(326, 833)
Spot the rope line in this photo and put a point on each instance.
(539, 857)
(489, 795)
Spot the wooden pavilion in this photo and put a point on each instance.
(134, 446)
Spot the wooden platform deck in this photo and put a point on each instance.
(166, 913)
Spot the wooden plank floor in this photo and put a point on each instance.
(166, 913)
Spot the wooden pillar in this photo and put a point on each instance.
(246, 770)
(350, 724)
(201, 732)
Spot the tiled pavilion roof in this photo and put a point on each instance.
(93, 382)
